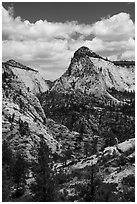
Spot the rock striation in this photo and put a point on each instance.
(93, 75)
(28, 76)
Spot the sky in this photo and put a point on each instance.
(45, 35)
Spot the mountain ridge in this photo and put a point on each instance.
(30, 77)
(14, 63)
(92, 74)
(87, 119)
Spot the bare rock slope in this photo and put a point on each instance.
(92, 74)
(30, 77)
(23, 119)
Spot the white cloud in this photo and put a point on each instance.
(128, 55)
(48, 46)
(117, 27)
(15, 29)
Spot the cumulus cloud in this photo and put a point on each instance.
(15, 29)
(129, 54)
(118, 27)
(48, 46)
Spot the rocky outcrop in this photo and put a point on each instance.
(95, 146)
(85, 51)
(23, 119)
(13, 63)
(31, 78)
(113, 175)
(94, 75)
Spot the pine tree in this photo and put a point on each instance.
(13, 116)
(7, 183)
(90, 196)
(23, 128)
(44, 186)
(81, 132)
(7, 155)
(19, 174)
(67, 154)
(88, 191)
(7, 164)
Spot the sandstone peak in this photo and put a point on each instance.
(31, 78)
(85, 51)
(90, 73)
(82, 51)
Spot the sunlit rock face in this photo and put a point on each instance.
(90, 137)
(23, 119)
(29, 77)
(92, 74)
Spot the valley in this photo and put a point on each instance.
(76, 134)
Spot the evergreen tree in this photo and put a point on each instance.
(23, 128)
(81, 132)
(89, 191)
(43, 187)
(90, 195)
(7, 155)
(7, 164)
(19, 174)
(13, 117)
(67, 154)
(7, 183)
(87, 149)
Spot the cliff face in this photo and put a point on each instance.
(92, 74)
(23, 118)
(90, 138)
(28, 76)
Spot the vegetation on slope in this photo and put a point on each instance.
(92, 157)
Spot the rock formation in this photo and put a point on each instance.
(87, 119)
(94, 75)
